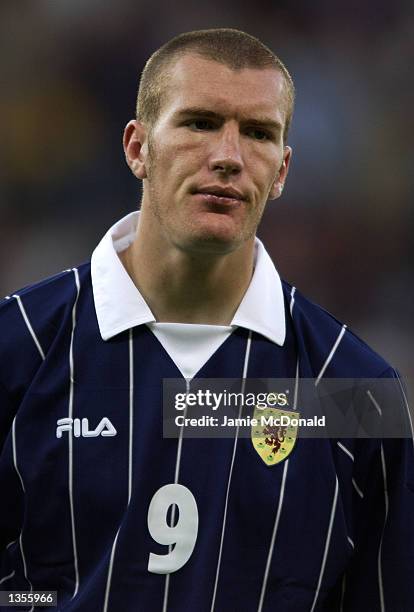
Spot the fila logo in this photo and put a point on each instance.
(104, 428)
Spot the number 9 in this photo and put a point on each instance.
(183, 534)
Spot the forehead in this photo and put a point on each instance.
(195, 81)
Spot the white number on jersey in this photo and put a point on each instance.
(183, 534)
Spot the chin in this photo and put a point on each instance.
(209, 242)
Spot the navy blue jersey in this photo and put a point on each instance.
(87, 480)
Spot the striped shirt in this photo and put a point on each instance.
(87, 479)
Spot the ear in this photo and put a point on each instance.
(136, 147)
(279, 183)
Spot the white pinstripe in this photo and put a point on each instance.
(70, 415)
(295, 397)
(374, 401)
(346, 451)
(357, 489)
(24, 491)
(407, 407)
(7, 577)
(130, 448)
(110, 568)
(328, 539)
(15, 454)
(292, 299)
(131, 411)
(244, 375)
(273, 538)
(380, 583)
(28, 325)
(351, 456)
(295, 393)
(176, 479)
(281, 498)
(341, 605)
(331, 354)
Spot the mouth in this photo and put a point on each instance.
(220, 196)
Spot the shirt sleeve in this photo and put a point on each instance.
(380, 575)
(10, 511)
(7, 412)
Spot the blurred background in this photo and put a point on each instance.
(343, 231)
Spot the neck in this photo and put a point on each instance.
(184, 287)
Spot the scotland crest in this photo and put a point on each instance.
(273, 437)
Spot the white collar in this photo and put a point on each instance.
(119, 305)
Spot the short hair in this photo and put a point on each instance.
(234, 48)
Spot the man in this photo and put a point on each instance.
(101, 508)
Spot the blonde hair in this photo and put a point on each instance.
(228, 46)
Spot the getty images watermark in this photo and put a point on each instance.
(283, 409)
(267, 410)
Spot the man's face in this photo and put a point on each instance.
(215, 154)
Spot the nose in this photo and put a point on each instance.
(226, 157)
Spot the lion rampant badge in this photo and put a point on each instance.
(273, 437)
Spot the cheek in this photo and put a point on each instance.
(183, 164)
(173, 173)
(264, 182)
(273, 176)
(263, 166)
(189, 153)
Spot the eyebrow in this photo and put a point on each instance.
(203, 112)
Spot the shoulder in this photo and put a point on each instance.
(320, 334)
(30, 320)
(44, 302)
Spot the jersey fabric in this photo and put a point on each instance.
(330, 528)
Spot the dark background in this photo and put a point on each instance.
(343, 230)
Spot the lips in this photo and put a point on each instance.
(218, 203)
(222, 193)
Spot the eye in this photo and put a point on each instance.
(257, 134)
(200, 125)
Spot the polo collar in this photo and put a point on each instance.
(120, 306)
